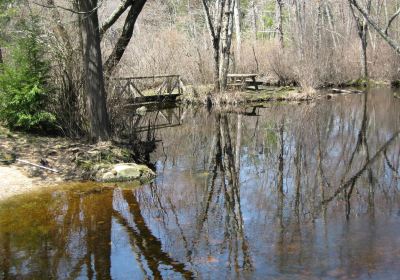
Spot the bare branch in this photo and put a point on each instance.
(380, 31)
(352, 180)
(123, 6)
(208, 16)
(68, 9)
(125, 37)
(395, 15)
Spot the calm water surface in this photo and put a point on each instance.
(281, 191)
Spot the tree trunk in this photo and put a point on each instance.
(362, 30)
(1, 56)
(238, 31)
(215, 28)
(216, 65)
(279, 21)
(99, 125)
(123, 6)
(226, 42)
(125, 37)
(254, 19)
(364, 60)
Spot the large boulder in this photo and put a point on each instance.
(124, 172)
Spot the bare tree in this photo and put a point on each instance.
(220, 24)
(362, 31)
(254, 13)
(279, 21)
(238, 30)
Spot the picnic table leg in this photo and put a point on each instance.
(255, 83)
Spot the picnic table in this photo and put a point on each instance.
(242, 80)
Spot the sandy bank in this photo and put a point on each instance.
(13, 182)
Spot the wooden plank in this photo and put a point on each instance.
(235, 84)
(156, 98)
(242, 75)
(160, 126)
(175, 86)
(137, 90)
(124, 89)
(145, 77)
(159, 91)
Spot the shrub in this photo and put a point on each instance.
(23, 84)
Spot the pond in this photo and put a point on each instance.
(277, 191)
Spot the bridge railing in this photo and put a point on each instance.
(158, 85)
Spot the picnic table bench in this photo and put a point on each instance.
(242, 80)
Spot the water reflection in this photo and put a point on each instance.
(285, 191)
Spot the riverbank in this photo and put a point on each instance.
(67, 159)
(29, 162)
(203, 94)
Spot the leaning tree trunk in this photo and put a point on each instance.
(99, 125)
(381, 31)
(124, 38)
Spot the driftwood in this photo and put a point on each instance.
(337, 91)
(36, 165)
(346, 91)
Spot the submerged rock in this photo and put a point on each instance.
(124, 172)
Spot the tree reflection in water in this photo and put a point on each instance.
(284, 191)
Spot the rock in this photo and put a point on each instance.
(123, 172)
(141, 110)
(52, 153)
(7, 158)
(74, 150)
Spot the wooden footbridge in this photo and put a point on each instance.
(147, 89)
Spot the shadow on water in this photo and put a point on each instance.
(282, 191)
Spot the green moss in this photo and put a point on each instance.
(357, 83)
(271, 94)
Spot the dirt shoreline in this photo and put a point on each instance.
(14, 182)
(74, 161)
